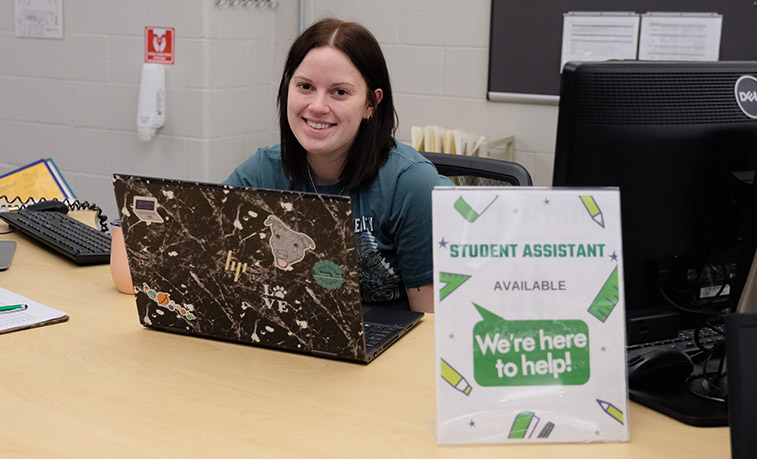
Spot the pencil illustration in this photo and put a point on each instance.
(607, 298)
(548, 427)
(468, 212)
(524, 425)
(611, 410)
(455, 379)
(594, 211)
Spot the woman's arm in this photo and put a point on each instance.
(421, 298)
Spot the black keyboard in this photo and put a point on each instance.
(684, 342)
(376, 334)
(59, 232)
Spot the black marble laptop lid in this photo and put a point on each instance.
(262, 267)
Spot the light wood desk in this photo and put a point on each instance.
(101, 385)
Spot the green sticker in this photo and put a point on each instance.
(530, 352)
(328, 274)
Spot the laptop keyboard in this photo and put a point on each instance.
(59, 232)
(375, 334)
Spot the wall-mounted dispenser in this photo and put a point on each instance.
(151, 113)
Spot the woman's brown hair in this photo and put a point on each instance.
(375, 137)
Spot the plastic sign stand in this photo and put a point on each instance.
(529, 312)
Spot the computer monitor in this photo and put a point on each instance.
(682, 149)
(680, 141)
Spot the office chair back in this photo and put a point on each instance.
(474, 171)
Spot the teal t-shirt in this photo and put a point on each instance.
(392, 218)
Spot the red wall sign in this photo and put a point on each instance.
(159, 45)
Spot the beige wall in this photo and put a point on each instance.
(75, 99)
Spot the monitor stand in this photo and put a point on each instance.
(678, 400)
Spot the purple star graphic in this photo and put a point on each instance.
(472, 423)
(546, 202)
(443, 244)
(614, 256)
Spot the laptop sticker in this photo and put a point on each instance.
(275, 298)
(287, 245)
(164, 300)
(328, 274)
(146, 208)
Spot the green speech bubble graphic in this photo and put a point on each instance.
(530, 352)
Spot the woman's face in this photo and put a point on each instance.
(327, 101)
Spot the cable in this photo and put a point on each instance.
(711, 381)
(701, 307)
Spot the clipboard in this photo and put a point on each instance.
(20, 313)
(40, 179)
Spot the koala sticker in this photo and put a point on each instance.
(288, 246)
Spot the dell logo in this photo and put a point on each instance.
(746, 95)
(750, 96)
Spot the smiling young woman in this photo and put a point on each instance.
(327, 102)
(337, 122)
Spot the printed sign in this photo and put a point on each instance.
(530, 330)
(159, 45)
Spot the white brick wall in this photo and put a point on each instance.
(75, 99)
(438, 57)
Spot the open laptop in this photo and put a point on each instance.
(263, 267)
